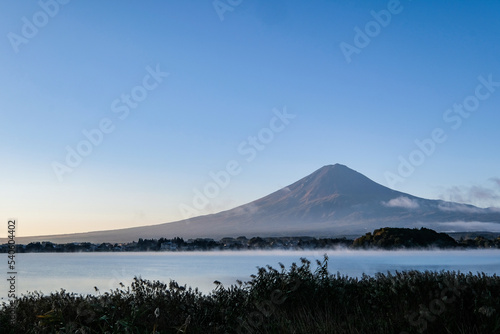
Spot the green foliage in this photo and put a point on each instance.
(301, 299)
(392, 237)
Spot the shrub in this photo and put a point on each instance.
(297, 300)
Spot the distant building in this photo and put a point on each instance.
(168, 246)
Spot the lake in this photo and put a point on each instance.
(80, 272)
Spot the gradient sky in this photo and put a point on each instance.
(230, 70)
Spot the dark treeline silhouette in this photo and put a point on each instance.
(385, 238)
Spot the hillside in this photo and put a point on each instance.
(334, 201)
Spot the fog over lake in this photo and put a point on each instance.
(80, 272)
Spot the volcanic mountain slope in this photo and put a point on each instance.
(334, 200)
(337, 199)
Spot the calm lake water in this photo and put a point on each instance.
(80, 272)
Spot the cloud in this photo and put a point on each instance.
(482, 193)
(453, 194)
(460, 226)
(456, 207)
(402, 202)
(249, 208)
(496, 181)
(479, 195)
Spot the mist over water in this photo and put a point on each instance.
(81, 272)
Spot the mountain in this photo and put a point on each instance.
(333, 201)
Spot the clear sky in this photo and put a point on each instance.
(114, 113)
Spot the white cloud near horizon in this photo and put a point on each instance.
(457, 207)
(487, 195)
(496, 180)
(461, 226)
(402, 202)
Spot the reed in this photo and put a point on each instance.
(294, 300)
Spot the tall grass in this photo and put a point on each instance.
(294, 300)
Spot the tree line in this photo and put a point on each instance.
(385, 238)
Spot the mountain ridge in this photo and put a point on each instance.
(333, 200)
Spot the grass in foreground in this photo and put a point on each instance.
(297, 300)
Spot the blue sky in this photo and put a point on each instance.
(69, 68)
